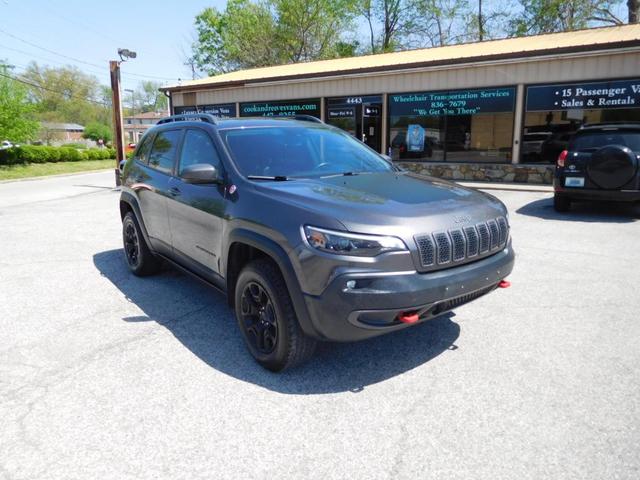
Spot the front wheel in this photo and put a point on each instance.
(561, 203)
(140, 260)
(267, 320)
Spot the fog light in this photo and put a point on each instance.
(351, 284)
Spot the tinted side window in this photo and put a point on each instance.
(164, 149)
(142, 153)
(198, 148)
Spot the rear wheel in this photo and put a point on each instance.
(140, 259)
(267, 320)
(561, 203)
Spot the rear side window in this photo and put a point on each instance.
(142, 153)
(592, 141)
(164, 149)
(198, 148)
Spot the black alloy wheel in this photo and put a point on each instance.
(259, 318)
(131, 244)
(266, 317)
(140, 259)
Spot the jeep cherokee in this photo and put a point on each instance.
(310, 233)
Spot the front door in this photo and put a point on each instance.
(372, 125)
(196, 211)
(361, 116)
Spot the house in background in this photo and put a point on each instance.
(58, 133)
(136, 125)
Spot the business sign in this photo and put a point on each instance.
(225, 110)
(451, 103)
(341, 112)
(371, 111)
(356, 100)
(281, 109)
(584, 96)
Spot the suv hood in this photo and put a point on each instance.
(389, 203)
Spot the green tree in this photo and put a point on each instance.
(634, 10)
(250, 34)
(66, 94)
(547, 16)
(96, 131)
(149, 98)
(16, 112)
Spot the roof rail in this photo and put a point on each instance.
(308, 118)
(183, 117)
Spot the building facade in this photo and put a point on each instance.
(136, 125)
(499, 110)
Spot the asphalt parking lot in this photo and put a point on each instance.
(104, 375)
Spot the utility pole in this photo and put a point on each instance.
(118, 138)
(114, 69)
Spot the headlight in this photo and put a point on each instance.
(343, 243)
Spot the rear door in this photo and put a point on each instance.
(152, 187)
(196, 212)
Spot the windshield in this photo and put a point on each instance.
(594, 140)
(296, 151)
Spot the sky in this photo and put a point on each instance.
(83, 32)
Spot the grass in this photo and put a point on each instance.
(12, 172)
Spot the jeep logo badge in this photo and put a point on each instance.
(462, 219)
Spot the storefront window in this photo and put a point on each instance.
(554, 112)
(223, 110)
(286, 108)
(452, 126)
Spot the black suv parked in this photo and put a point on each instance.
(601, 163)
(311, 234)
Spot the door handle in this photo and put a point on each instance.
(174, 191)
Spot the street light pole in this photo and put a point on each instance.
(114, 70)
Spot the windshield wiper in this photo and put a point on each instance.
(276, 178)
(342, 174)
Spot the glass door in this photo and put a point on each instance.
(360, 116)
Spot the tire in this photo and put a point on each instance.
(140, 260)
(267, 320)
(561, 203)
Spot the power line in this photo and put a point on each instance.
(105, 72)
(36, 85)
(77, 60)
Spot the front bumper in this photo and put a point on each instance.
(371, 306)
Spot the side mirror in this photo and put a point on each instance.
(200, 173)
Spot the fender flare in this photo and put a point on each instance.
(278, 255)
(132, 201)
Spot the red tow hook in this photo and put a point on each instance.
(504, 284)
(408, 317)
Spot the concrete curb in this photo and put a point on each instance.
(57, 175)
(516, 187)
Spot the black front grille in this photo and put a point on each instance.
(444, 247)
(504, 229)
(472, 241)
(461, 245)
(495, 234)
(427, 250)
(483, 231)
(461, 300)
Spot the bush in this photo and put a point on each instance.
(42, 154)
(78, 145)
(70, 155)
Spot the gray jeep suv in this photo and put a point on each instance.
(310, 233)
